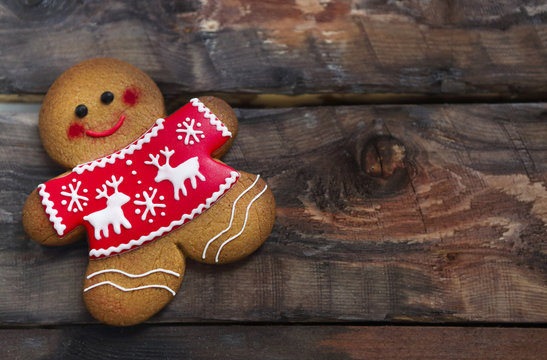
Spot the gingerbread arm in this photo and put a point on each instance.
(38, 227)
(226, 114)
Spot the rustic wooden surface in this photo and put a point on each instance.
(493, 49)
(390, 212)
(431, 219)
(273, 342)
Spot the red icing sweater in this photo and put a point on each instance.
(146, 190)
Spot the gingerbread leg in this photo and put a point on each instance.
(129, 288)
(235, 226)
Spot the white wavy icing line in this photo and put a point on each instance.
(53, 218)
(231, 218)
(244, 223)
(128, 150)
(133, 275)
(212, 118)
(234, 175)
(130, 289)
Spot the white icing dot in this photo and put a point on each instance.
(191, 142)
(179, 137)
(73, 180)
(85, 204)
(137, 211)
(133, 172)
(150, 221)
(150, 188)
(187, 119)
(198, 124)
(139, 182)
(75, 210)
(138, 196)
(179, 125)
(63, 187)
(162, 197)
(162, 214)
(203, 136)
(129, 162)
(63, 202)
(85, 190)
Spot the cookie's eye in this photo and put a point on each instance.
(81, 111)
(107, 97)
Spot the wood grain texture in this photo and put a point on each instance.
(434, 48)
(385, 213)
(272, 342)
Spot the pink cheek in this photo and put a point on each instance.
(131, 96)
(75, 130)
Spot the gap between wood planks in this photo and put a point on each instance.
(247, 100)
(372, 324)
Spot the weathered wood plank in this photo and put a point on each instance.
(434, 48)
(385, 213)
(273, 342)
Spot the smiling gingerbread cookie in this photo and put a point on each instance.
(149, 191)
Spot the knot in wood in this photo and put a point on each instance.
(382, 156)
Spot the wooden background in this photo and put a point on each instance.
(405, 143)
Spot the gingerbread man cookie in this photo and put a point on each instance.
(148, 190)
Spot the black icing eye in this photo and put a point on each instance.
(107, 97)
(81, 111)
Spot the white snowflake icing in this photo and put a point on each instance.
(74, 197)
(150, 206)
(191, 133)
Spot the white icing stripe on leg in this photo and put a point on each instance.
(231, 218)
(244, 223)
(133, 275)
(130, 289)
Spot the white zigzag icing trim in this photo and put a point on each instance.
(128, 150)
(53, 218)
(234, 175)
(212, 118)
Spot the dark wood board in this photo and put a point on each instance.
(385, 213)
(448, 49)
(272, 342)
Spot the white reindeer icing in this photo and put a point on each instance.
(189, 169)
(113, 213)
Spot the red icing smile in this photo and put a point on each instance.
(108, 132)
